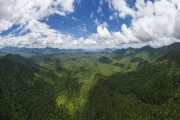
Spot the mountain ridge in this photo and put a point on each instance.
(10, 49)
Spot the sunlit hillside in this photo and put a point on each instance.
(143, 84)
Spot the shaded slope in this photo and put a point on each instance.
(14, 78)
(151, 92)
(23, 94)
(171, 56)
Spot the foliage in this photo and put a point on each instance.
(104, 60)
(79, 87)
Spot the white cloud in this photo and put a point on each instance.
(40, 36)
(4, 25)
(140, 4)
(99, 9)
(177, 25)
(110, 17)
(34, 33)
(82, 28)
(74, 18)
(21, 11)
(99, 23)
(121, 7)
(103, 32)
(104, 38)
(154, 23)
(92, 15)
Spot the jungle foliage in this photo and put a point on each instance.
(126, 84)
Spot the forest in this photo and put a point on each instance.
(121, 84)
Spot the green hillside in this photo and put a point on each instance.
(126, 84)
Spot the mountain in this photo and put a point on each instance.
(171, 56)
(15, 79)
(164, 49)
(128, 51)
(147, 51)
(104, 60)
(19, 58)
(151, 92)
(121, 52)
(46, 50)
(173, 46)
(24, 93)
(107, 50)
(14, 63)
(139, 84)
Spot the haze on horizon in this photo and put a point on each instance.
(89, 24)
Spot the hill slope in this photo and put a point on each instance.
(139, 84)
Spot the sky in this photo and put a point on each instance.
(89, 24)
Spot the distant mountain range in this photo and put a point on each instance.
(140, 83)
(153, 52)
(47, 50)
(123, 52)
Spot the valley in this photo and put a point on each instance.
(121, 84)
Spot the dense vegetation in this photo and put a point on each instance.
(126, 84)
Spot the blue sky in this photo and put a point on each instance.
(89, 23)
(80, 23)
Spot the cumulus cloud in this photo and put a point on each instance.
(177, 26)
(99, 23)
(5, 25)
(105, 38)
(121, 7)
(102, 32)
(154, 23)
(21, 11)
(40, 35)
(27, 14)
